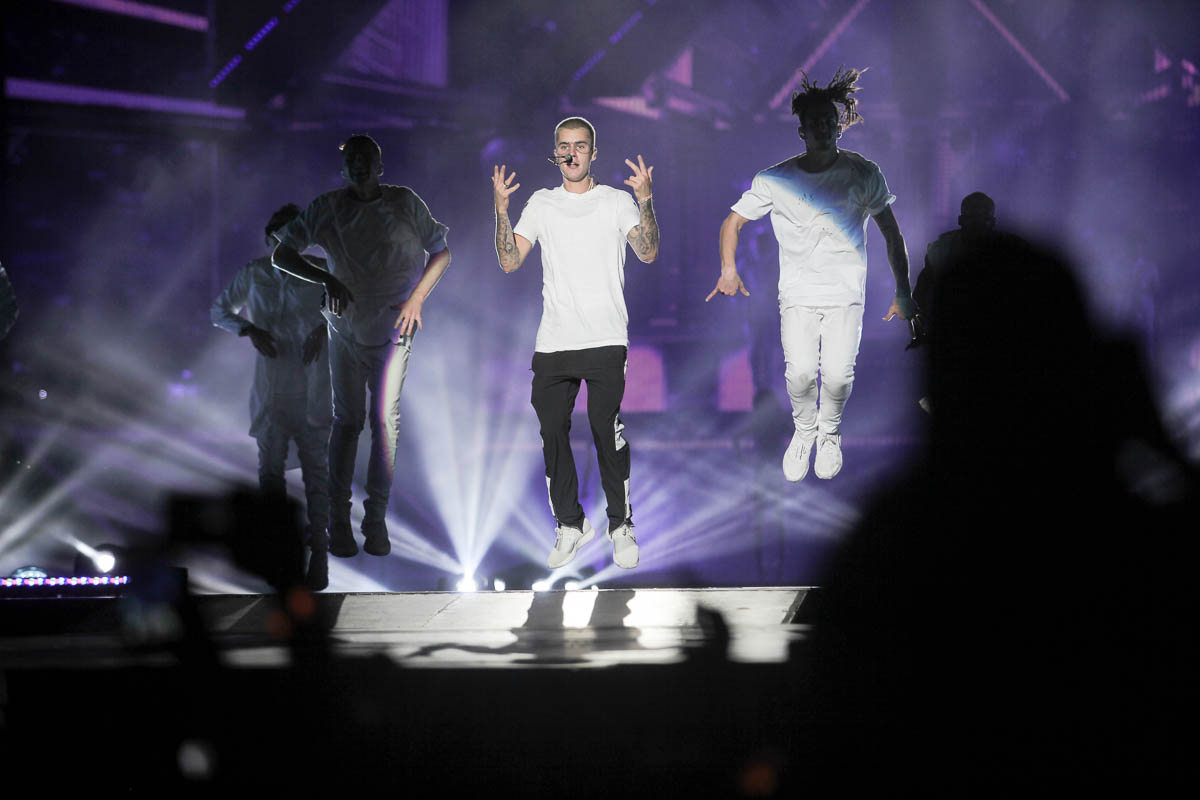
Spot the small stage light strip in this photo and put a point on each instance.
(615, 37)
(254, 41)
(102, 580)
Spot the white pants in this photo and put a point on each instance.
(820, 340)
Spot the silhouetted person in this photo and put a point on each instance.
(376, 237)
(819, 203)
(290, 400)
(583, 228)
(1021, 605)
(8, 304)
(976, 238)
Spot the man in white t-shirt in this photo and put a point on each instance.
(583, 227)
(376, 237)
(819, 203)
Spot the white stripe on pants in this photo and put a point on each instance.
(824, 340)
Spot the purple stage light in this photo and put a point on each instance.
(591, 62)
(1021, 51)
(624, 29)
(26, 89)
(287, 8)
(816, 54)
(225, 70)
(262, 33)
(735, 392)
(128, 8)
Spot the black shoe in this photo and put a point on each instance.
(317, 578)
(341, 540)
(377, 543)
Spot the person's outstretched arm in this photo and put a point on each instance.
(644, 236)
(730, 283)
(902, 305)
(410, 310)
(511, 249)
(286, 258)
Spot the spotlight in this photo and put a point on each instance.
(467, 584)
(498, 584)
(542, 585)
(104, 560)
(99, 560)
(571, 586)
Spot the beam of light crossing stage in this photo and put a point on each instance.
(786, 90)
(1003, 30)
(718, 522)
(146, 11)
(475, 472)
(47, 92)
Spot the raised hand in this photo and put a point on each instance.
(729, 285)
(640, 181)
(502, 189)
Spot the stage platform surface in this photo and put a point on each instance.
(511, 629)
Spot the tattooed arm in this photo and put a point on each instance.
(511, 249)
(644, 236)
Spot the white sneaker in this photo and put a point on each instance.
(795, 460)
(829, 455)
(625, 546)
(568, 543)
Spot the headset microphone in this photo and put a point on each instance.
(568, 159)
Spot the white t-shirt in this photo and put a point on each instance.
(583, 239)
(377, 248)
(820, 220)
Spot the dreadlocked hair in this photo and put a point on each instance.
(840, 92)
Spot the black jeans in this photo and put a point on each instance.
(556, 379)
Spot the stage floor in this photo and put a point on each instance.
(511, 629)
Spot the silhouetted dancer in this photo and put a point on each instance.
(975, 240)
(281, 316)
(376, 237)
(583, 227)
(1022, 604)
(819, 204)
